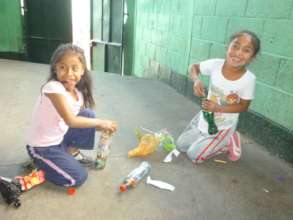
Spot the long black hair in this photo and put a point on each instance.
(85, 83)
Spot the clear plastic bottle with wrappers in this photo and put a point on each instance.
(104, 146)
(135, 176)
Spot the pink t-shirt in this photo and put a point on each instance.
(47, 127)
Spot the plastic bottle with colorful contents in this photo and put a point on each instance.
(135, 176)
(104, 146)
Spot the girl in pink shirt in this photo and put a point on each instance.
(62, 121)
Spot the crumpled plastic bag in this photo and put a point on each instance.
(149, 142)
(167, 141)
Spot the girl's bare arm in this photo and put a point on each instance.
(60, 103)
(198, 86)
(242, 106)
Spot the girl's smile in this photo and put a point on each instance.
(240, 52)
(69, 71)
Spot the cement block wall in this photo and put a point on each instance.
(171, 34)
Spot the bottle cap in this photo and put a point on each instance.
(71, 191)
(123, 188)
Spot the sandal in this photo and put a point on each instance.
(83, 159)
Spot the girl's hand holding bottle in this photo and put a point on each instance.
(108, 125)
(209, 106)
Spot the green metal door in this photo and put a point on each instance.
(11, 36)
(48, 24)
(107, 27)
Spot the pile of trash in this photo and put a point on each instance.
(149, 142)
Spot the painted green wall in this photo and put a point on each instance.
(171, 34)
(11, 36)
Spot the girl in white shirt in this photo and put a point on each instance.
(230, 91)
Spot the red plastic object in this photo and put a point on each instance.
(123, 188)
(71, 191)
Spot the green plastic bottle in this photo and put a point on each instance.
(212, 127)
(209, 117)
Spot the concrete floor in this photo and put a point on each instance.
(259, 186)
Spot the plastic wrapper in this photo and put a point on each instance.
(150, 141)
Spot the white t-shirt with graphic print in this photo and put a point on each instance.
(224, 91)
(47, 127)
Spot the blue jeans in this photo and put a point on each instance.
(60, 167)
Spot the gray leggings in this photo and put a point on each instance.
(200, 146)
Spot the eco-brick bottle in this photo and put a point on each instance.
(135, 176)
(104, 146)
(209, 117)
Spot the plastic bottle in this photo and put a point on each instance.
(135, 176)
(104, 146)
(209, 117)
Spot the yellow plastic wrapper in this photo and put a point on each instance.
(148, 143)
